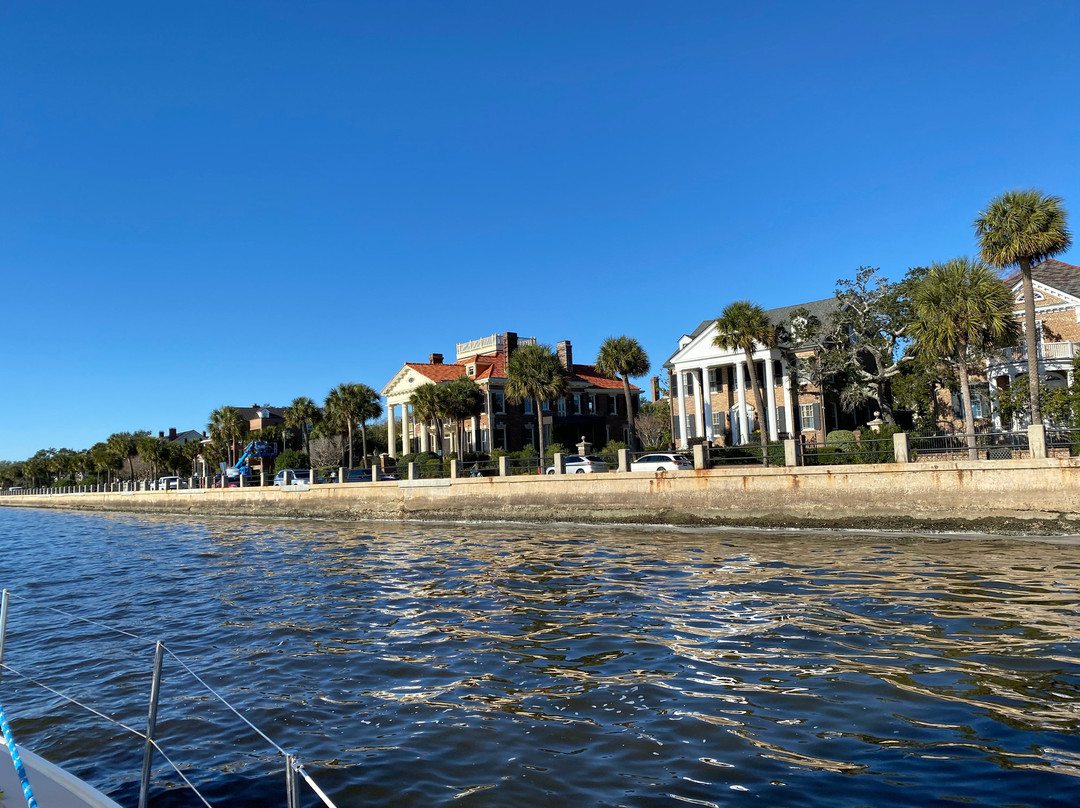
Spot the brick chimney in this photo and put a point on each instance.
(435, 359)
(161, 434)
(654, 387)
(509, 342)
(172, 433)
(566, 355)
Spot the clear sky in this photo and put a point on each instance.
(208, 203)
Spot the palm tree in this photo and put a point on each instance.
(463, 399)
(429, 405)
(535, 372)
(624, 357)
(124, 445)
(352, 403)
(959, 306)
(229, 425)
(301, 414)
(743, 324)
(1021, 228)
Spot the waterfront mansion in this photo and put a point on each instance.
(594, 407)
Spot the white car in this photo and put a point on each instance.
(293, 477)
(661, 462)
(171, 483)
(581, 464)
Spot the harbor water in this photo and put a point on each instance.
(520, 665)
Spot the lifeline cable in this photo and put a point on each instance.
(27, 791)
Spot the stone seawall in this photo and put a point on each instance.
(1004, 496)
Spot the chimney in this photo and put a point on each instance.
(172, 433)
(435, 359)
(654, 387)
(566, 355)
(161, 434)
(509, 342)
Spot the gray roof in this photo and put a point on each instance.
(1056, 274)
(822, 309)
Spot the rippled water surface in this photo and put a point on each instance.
(452, 665)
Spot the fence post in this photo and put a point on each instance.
(376, 473)
(341, 474)
(701, 456)
(1037, 441)
(624, 460)
(412, 470)
(901, 446)
(455, 469)
(504, 466)
(792, 452)
(560, 463)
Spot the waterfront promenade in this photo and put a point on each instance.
(1036, 496)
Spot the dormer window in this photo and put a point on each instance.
(470, 370)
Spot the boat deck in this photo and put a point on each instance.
(53, 787)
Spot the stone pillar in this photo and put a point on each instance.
(391, 426)
(560, 463)
(901, 447)
(740, 385)
(792, 452)
(455, 469)
(412, 471)
(701, 456)
(376, 473)
(1037, 441)
(624, 460)
(243, 480)
(341, 474)
(770, 399)
(584, 447)
(313, 477)
(504, 466)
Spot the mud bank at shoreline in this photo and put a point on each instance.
(1014, 497)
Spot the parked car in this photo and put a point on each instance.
(170, 483)
(582, 464)
(364, 476)
(293, 477)
(663, 461)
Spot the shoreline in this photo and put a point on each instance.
(1000, 497)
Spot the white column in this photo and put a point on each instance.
(770, 397)
(699, 404)
(789, 416)
(391, 427)
(995, 414)
(740, 385)
(425, 444)
(475, 433)
(706, 409)
(406, 430)
(681, 384)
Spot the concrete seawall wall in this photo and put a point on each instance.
(1035, 496)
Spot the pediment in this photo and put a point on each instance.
(404, 382)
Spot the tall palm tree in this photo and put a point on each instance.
(301, 414)
(429, 406)
(1022, 228)
(463, 400)
(349, 404)
(959, 306)
(535, 372)
(229, 425)
(744, 325)
(623, 357)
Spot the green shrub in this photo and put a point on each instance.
(291, 459)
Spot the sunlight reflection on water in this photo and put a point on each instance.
(508, 665)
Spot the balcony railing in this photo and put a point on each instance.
(1047, 350)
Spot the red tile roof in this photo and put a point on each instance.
(437, 373)
(590, 375)
(493, 366)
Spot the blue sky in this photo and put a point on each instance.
(229, 203)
